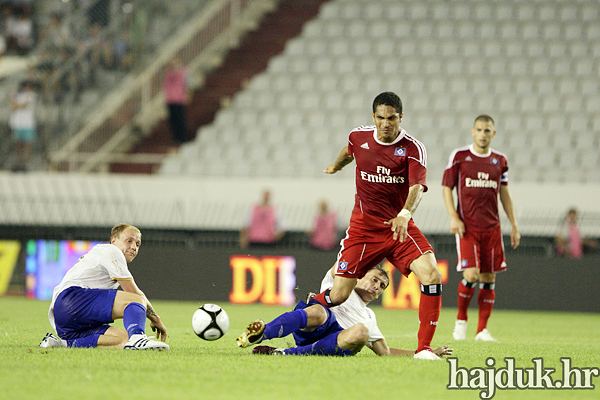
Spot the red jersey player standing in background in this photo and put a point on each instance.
(479, 175)
(391, 168)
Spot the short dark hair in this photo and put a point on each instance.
(382, 272)
(388, 99)
(484, 118)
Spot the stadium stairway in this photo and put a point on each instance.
(248, 59)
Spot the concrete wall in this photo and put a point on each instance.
(177, 202)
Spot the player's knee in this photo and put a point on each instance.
(487, 277)
(358, 335)
(425, 268)
(134, 298)
(122, 300)
(471, 275)
(431, 275)
(315, 316)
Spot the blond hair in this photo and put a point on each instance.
(116, 231)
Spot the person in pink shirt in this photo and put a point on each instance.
(568, 240)
(324, 233)
(263, 226)
(175, 86)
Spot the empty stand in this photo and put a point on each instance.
(532, 65)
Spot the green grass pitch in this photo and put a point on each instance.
(196, 369)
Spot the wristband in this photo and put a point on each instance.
(404, 213)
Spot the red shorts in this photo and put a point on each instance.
(368, 241)
(483, 250)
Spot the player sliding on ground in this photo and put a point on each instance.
(87, 300)
(340, 331)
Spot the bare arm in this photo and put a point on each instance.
(343, 159)
(155, 321)
(399, 224)
(507, 204)
(456, 224)
(381, 348)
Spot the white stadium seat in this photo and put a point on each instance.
(531, 64)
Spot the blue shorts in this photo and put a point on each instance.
(81, 312)
(329, 327)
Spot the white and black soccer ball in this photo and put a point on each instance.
(210, 322)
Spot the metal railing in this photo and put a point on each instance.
(113, 128)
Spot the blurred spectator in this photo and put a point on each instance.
(57, 34)
(138, 34)
(263, 226)
(97, 49)
(569, 241)
(5, 15)
(19, 32)
(121, 52)
(176, 90)
(99, 13)
(324, 233)
(23, 124)
(2, 45)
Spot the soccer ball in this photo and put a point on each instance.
(210, 322)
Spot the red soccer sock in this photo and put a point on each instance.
(486, 299)
(429, 313)
(465, 294)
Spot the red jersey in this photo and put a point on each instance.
(385, 171)
(477, 179)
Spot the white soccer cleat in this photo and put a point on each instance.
(426, 355)
(460, 330)
(485, 336)
(252, 335)
(142, 342)
(52, 341)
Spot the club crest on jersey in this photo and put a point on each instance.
(365, 145)
(343, 265)
(464, 263)
(400, 151)
(494, 161)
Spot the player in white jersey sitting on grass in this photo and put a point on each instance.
(87, 300)
(340, 331)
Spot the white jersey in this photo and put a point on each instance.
(100, 268)
(24, 117)
(353, 311)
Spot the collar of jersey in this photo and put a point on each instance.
(400, 136)
(472, 150)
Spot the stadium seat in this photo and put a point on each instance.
(376, 11)
(314, 28)
(532, 65)
(295, 47)
(330, 10)
(545, 158)
(357, 30)
(562, 67)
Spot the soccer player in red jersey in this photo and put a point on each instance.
(479, 175)
(391, 168)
